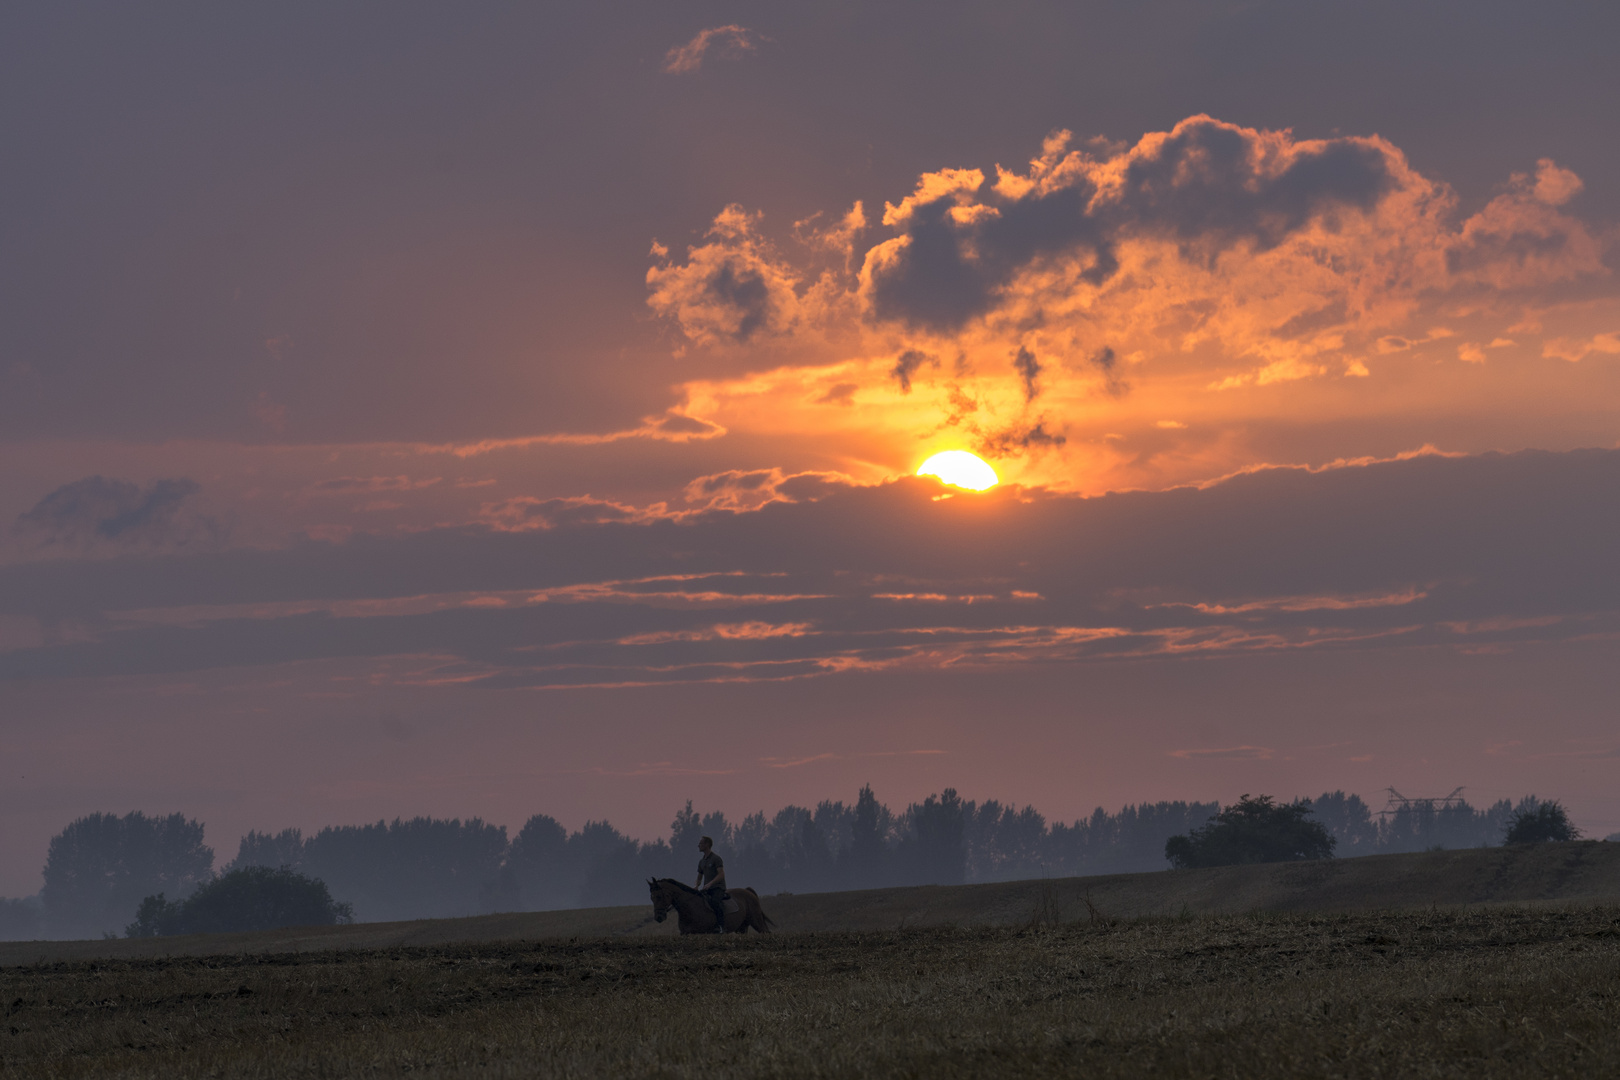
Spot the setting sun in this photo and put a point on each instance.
(959, 468)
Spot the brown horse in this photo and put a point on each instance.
(697, 917)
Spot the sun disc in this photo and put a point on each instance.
(959, 468)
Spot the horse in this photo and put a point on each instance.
(697, 917)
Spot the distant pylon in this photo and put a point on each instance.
(1399, 803)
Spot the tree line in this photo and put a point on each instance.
(101, 868)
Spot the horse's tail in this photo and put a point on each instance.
(766, 922)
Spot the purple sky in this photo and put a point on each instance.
(496, 409)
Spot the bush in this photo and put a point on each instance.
(1253, 831)
(1540, 823)
(253, 898)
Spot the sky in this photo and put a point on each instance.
(498, 409)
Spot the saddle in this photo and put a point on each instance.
(730, 905)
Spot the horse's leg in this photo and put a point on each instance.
(697, 917)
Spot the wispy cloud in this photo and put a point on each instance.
(670, 427)
(1242, 753)
(98, 513)
(727, 41)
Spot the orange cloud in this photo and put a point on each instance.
(1052, 316)
(731, 290)
(730, 40)
(1575, 350)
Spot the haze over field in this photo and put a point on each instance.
(476, 411)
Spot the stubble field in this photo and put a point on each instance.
(1496, 992)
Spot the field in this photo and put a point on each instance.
(1056, 984)
(1494, 993)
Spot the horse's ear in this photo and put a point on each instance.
(651, 882)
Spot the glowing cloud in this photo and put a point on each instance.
(1052, 317)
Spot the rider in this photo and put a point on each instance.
(712, 869)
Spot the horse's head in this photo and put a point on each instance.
(661, 900)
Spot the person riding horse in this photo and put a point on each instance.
(712, 868)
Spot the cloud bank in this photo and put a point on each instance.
(1475, 554)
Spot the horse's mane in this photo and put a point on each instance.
(681, 885)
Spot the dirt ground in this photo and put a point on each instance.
(1488, 992)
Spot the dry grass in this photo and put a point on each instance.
(1504, 992)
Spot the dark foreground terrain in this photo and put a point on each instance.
(1495, 992)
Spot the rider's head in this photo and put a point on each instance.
(705, 844)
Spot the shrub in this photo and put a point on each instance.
(252, 898)
(1253, 830)
(1539, 823)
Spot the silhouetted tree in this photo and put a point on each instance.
(862, 863)
(611, 865)
(252, 898)
(748, 840)
(1253, 830)
(808, 857)
(686, 829)
(1004, 843)
(1348, 820)
(1540, 822)
(1131, 841)
(937, 853)
(99, 867)
(424, 868)
(285, 848)
(540, 866)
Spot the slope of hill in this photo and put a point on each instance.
(1580, 872)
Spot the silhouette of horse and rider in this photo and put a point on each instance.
(708, 908)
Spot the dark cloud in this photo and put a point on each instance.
(99, 512)
(1017, 439)
(1206, 184)
(732, 480)
(1029, 369)
(750, 489)
(1106, 362)
(1486, 552)
(839, 394)
(1213, 184)
(906, 365)
(675, 424)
